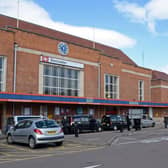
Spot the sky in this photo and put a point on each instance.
(138, 27)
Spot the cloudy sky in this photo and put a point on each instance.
(137, 27)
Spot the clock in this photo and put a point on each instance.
(63, 48)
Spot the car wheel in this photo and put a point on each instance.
(115, 127)
(59, 143)
(153, 125)
(32, 143)
(9, 139)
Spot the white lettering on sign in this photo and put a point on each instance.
(133, 103)
(89, 100)
(61, 62)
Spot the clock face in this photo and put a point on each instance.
(63, 48)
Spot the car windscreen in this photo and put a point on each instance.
(24, 118)
(46, 124)
(116, 118)
(80, 118)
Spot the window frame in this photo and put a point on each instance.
(65, 81)
(114, 93)
(141, 90)
(3, 74)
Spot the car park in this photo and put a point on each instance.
(113, 122)
(83, 122)
(36, 131)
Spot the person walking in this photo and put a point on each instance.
(128, 122)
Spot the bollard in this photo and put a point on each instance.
(121, 127)
(76, 130)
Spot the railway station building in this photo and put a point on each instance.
(51, 73)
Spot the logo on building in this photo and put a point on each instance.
(63, 48)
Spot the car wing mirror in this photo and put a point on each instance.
(15, 127)
(12, 127)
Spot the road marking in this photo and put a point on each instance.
(145, 141)
(115, 141)
(19, 153)
(93, 166)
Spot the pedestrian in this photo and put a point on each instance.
(165, 121)
(128, 122)
(76, 129)
(65, 125)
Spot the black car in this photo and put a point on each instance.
(83, 122)
(113, 122)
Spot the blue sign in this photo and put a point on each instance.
(63, 48)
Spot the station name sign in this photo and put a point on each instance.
(133, 103)
(53, 60)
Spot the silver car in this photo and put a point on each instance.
(36, 131)
(147, 122)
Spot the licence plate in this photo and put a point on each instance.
(51, 132)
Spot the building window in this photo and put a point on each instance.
(140, 90)
(2, 72)
(59, 80)
(44, 110)
(111, 86)
(26, 111)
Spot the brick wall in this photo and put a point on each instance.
(28, 67)
(159, 91)
(6, 50)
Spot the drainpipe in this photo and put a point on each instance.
(99, 80)
(14, 67)
(14, 74)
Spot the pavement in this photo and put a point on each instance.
(97, 139)
(107, 138)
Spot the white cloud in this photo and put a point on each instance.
(32, 12)
(132, 10)
(150, 13)
(164, 69)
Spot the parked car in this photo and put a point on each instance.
(84, 123)
(113, 122)
(13, 120)
(36, 131)
(147, 122)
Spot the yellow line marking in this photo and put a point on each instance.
(48, 155)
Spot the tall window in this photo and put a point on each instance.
(140, 90)
(1, 73)
(111, 86)
(26, 110)
(60, 81)
(44, 110)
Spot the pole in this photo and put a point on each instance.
(18, 5)
(14, 71)
(94, 45)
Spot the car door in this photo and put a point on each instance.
(25, 131)
(83, 122)
(146, 123)
(150, 122)
(18, 131)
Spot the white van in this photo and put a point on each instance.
(13, 120)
